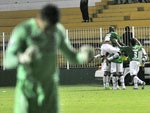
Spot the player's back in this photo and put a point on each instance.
(132, 52)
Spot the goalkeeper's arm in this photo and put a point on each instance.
(29, 55)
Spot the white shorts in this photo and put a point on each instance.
(108, 48)
(105, 66)
(116, 67)
(134, 67)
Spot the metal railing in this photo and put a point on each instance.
(91, 36)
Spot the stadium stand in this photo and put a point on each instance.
(118, 15)
(103, 14)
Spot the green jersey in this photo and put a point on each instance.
(37, 82)
(132, 52)
(110, 36)
(118, 60)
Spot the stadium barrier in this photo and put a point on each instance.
(79, 37)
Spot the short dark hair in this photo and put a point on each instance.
(133, 42)
(50, 13)
(111, 29)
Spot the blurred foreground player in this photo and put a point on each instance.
(32, 50)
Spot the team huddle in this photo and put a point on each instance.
(112, 53)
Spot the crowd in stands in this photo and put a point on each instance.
(130, 1)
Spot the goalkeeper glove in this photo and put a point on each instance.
(29, 55)
(87, 53)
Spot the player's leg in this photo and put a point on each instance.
(114, 75)
(108, 75)
(21, 102)
(138, 81)
(106, 69)
(135, 81)
(134, 69)
(122, 82)
(106, 80)
(107, 48)
(113, 50)
(116, 55)
(133, 73)
(120, 74)
(115, 81)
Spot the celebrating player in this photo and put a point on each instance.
(117, 72)
(108, 47)
(134, 59)
(106, 69)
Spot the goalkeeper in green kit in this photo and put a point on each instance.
(32, 50)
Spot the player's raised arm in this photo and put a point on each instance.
(97, 56)
(116, 42)
(138, 42)
(144, 57)
(83, 56)
(115, 39)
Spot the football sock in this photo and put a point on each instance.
(104, 81)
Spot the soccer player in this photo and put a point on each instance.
(134, 59)
(109, 43)
(109, 47)
(32, 50)
(112, 48)
(106, 69)
(115, 59)
(117, 72)
(143, 56)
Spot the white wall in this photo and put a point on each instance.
(9, 5)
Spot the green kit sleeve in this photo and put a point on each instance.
(13, 49)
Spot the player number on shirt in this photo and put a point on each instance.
(135, 54)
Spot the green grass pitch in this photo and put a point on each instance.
(90, 99)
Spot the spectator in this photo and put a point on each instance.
(127, 36)
(118, 1)
(131, 1)
(84, 10)
(142, 1)
(126, 2)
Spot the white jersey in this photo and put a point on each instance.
(107, 37)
